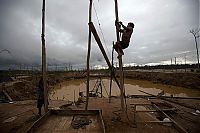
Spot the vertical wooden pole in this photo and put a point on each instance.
(44, 59)
(111, 74)
(88, 57)
(101, 87)
(117, 20)
(120, 58)
(74, 96)
(135, 113)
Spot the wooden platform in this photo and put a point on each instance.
(59, 121)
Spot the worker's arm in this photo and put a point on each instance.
(126, 28)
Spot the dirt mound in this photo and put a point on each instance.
(5, 79)
(187, 80)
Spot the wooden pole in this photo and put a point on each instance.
(120, 58)
(111, 74)
(117, 20)
(44, 59)
(101, 87)
(88, 57)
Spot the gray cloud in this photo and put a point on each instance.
(161, 30)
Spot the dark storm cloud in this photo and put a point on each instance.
(161, 30)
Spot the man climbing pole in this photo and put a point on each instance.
(126, 35)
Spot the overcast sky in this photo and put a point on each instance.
(161, 30)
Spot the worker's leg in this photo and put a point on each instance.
(124, 45)
(118, 48)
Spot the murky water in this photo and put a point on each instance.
(69, 90)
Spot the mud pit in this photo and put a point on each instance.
(64, 91)
(67, 89)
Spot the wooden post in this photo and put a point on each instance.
(111, 74)
(135, 107)
(44, 59)
(120, 58)
(74, 96)
(88, 58)
(101, 88)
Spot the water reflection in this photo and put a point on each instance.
(69, 90)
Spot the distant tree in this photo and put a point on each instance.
(195, 33)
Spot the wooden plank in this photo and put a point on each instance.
(37, 123)
(182, 104)
(67, 124)
(60, 121)
(64, 124)
(48, 125)
(6, 94)
(177, 126)
(171, 109)
(94, 126)
(147, 96)
(140, 104)
(75, 112)
(154, 122)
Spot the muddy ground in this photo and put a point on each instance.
(17, 117)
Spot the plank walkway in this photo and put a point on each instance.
(62, 124)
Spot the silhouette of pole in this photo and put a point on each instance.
(88, 57)
(111, 73)
(44, 58)
(120, 58)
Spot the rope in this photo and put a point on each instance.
(100, 28)
(105, 89)
(80, 122)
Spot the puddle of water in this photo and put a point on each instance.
(69, 90)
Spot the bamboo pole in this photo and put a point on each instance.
(120, 58)
(88, 57)
(44, 59)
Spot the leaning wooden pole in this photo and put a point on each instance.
(96, 37)
(120, 58)
(88, 57)
(44, 59)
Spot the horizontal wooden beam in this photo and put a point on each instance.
(140, 104)
(171, 109)
(154, 122)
